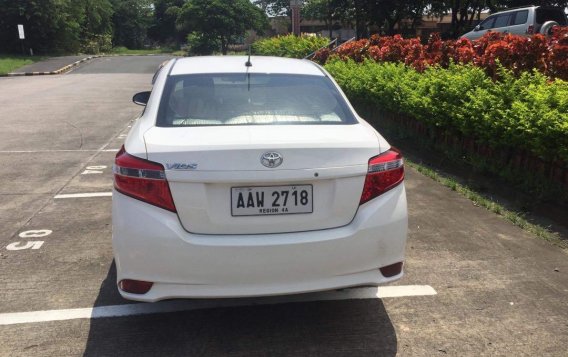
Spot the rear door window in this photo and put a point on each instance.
(520, 17)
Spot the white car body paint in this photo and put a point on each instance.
(203, 251)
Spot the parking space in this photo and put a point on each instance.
(474, 284)
(96, 176)
(59, 137)
(72, 254)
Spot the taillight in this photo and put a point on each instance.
(385, 172)
(142, 179)
(530, 29)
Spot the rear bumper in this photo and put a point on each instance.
(151, 245)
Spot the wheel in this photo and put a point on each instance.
(546, 28)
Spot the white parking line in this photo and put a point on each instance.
(44, 151)
(83, 195)
(49, 151)
(405, 290)
(186, 305)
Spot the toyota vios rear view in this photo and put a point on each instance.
(253, 178)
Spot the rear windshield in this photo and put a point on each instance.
(544, 14)
(251, 99)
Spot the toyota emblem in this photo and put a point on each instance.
(271, 159)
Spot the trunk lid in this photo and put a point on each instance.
(207, 167)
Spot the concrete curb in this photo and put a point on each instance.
(58, 71)
(65, 68)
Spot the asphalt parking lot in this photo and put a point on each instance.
(474, 285)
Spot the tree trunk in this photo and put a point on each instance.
(476, 7)
(454, 25)
(223, 45)
(357, 30)
(330, 20)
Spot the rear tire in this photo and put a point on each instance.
(546, 28)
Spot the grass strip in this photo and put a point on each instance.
(9, 63)
(479, 200)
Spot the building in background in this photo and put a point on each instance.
(281, 25)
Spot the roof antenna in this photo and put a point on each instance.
(248, 63)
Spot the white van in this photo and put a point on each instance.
(523, 21)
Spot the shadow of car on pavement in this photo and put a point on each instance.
(341, 327)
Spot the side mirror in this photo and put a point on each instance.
(477, 28)
(141, 98)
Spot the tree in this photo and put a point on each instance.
(96, 29)
(274, 7)
(329, 12)
(504, 4)
(383, 14)
(163, 28)
(221, 20)
(57, 26)
(50, 25)
(387, 14)
(131, 20)
(463, 12)
(322, 10)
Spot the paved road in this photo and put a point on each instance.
(50, 64)
(124, 64)
(497, 289)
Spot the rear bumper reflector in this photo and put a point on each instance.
(391, 270)
(135, 286)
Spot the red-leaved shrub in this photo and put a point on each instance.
(547, 54)
(355, 50)
(557, 59)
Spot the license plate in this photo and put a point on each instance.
(271, 200)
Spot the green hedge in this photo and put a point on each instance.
(525, 113)
(289, 46)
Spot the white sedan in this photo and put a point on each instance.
(253, 177)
